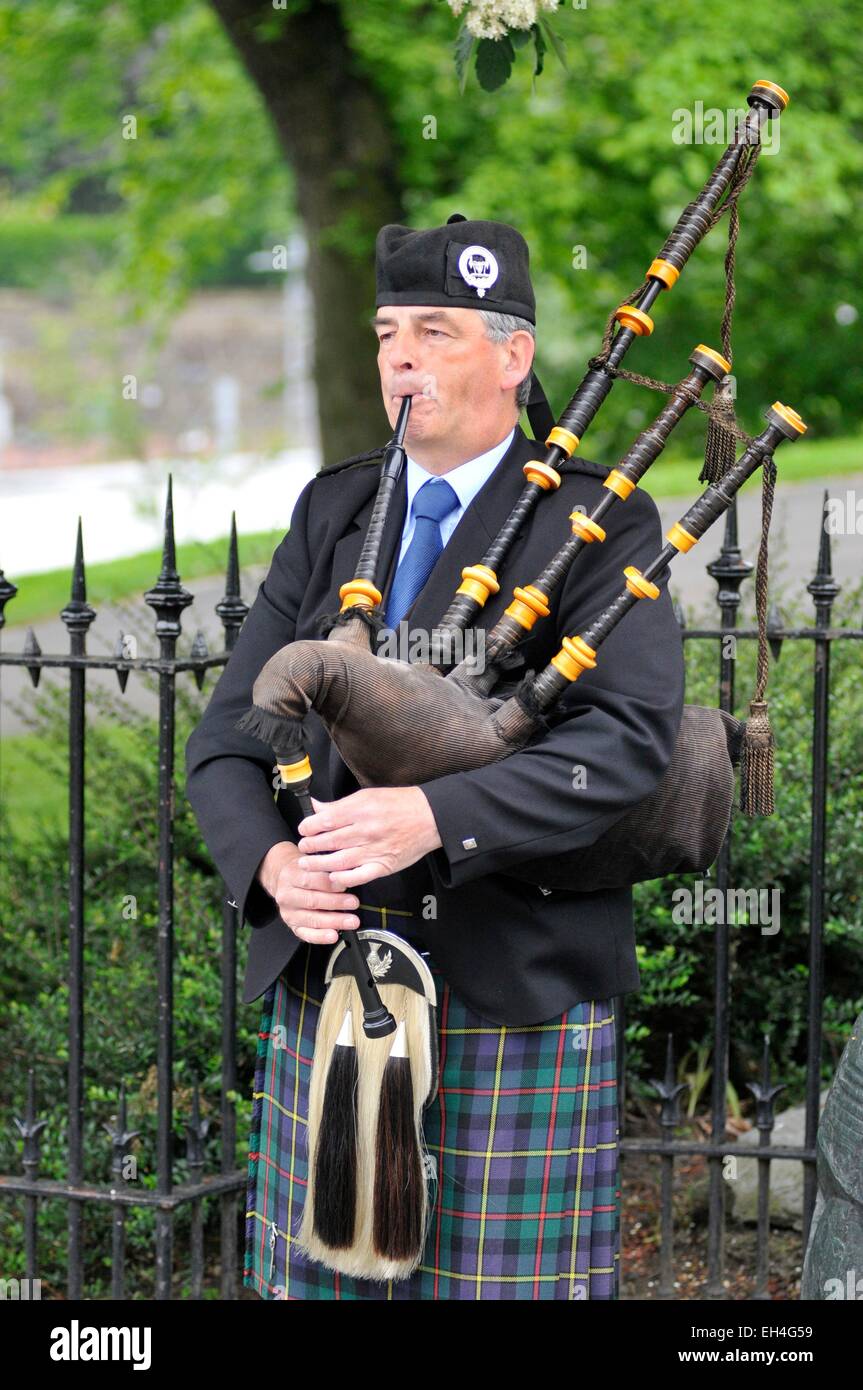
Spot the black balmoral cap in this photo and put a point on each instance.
(471, 265)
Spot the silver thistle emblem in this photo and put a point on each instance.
(378, 965)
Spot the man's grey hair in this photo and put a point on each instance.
(499, 327)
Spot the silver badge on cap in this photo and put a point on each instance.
(478, 267)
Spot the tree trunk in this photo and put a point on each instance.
(335, 133)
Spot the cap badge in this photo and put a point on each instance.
(478, 267)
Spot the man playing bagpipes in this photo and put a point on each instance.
(523, 1133)
(439, 932)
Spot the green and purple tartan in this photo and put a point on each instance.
(523, 1134)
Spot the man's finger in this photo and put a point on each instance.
(316, 900)
(310, 928)
(327, 861)
(364, 873)
(341, 838)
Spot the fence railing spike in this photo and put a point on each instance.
(199, 652)
(775, 621)
(168, 596)
(765, 1094)
(121, 672)
(8, 590)
(32, 648)
(30, 1128)
(77, 614)
(669, 1089)
(231, 609)
(823, 587)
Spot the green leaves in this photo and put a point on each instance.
(463, 48)
(555, 41)
(494, 60)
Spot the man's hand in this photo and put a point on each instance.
(368, 835)
(306, 900)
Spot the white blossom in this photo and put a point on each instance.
(492, 19)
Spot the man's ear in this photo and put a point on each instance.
(521, 348)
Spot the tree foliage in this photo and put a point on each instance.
(582, 160)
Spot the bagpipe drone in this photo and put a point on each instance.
(399, 723)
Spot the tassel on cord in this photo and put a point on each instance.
(399, 1190)
(757, 757)
(335, 1193)
(720, 443)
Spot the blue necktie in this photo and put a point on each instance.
(433, 501)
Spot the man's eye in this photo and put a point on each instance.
(438, 332)
(382, 337)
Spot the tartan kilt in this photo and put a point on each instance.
(523, 1136)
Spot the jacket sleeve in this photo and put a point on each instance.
(230, 774)
(612, 734)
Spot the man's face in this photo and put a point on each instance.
(459, 379)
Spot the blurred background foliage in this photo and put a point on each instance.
(579, 157)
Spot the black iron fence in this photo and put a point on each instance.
(169, 599)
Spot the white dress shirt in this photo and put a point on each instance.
(465, 480)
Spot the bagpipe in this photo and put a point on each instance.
(399, 723)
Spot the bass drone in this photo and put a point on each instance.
(397, 723)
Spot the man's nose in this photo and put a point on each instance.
(402, 352)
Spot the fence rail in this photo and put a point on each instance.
(169, 599)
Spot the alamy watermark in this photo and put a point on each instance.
(710, 125)
(717, 906)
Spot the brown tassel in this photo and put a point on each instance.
(399, 1176)
(335, 1193)
(757, 755)
(757, 763)
(720, 444)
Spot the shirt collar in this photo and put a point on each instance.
(465, 480)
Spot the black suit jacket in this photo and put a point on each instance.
(515, 951)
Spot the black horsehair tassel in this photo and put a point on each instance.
(336, 1157)
(399, 1175)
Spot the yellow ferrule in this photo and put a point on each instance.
(680, 539)
(574, 657)
(564, 439)
(717, 356)
(478, 581)
(664, 271)
(538, 472)
(774, 87)
(528, 605)
(295, 772)
(588, 529)
(795, 420)
(359, 591)
(638, 585)
(619, 483)
(634, 319)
